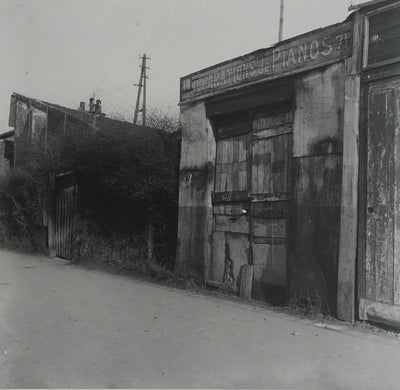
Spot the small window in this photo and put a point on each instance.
(383, 36)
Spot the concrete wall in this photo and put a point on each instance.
(317, 175)
(196, 185)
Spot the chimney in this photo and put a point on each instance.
(82, 106)
(98, 106)
(92, 108)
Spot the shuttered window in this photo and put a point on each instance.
(254, 155)
(272, 154)
(384, 36)
(232, 166)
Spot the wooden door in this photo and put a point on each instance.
(270, 200)
(382, 263)
(251, 200)
(65, 207)
(231, 200)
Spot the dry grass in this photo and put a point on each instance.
(309, 304)
(121, 253)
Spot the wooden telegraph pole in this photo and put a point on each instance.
(281, 21)
(142, 84)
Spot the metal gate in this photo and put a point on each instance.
(65, 207)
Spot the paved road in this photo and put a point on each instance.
(64, 326)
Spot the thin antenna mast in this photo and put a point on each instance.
(281, 22)
(142, 84)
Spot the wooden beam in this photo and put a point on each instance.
(246, 281)
(349, 206)
(362, 196)
(379, 312)
(51, 215)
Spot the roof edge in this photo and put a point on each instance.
(7, 134)
(73, 111)
(371, 3)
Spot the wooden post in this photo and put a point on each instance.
(281, 22)
(144, 92)
(142, 84)
(246, 282)
(51, 215)
(349, 205)
(150, 241)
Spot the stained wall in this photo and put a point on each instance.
(317, 178)
(196, 183)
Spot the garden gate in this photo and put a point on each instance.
(61, 217)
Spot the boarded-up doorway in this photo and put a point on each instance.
(252, 198)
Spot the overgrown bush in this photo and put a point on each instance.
(22, 201)
(128, 187)
(128, 179)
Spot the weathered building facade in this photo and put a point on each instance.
(37, 125)
(40, 127)
(271, 190)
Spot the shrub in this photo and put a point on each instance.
(128, 190)
(120, 252)
(128, 180)
(22, 200)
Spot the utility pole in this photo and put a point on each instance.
(281, 22)
(142, 84)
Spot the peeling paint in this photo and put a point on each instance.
(318, 118)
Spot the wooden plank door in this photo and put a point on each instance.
(231, 200)
(65, 207)
(270, 200)
(382, 263)
(251, 201)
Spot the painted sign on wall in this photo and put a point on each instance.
(308, 51)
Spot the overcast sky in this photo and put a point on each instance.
(64, 51)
